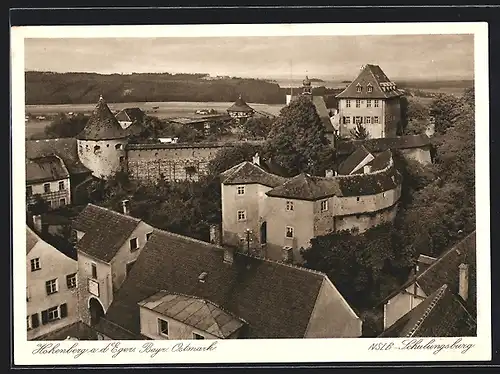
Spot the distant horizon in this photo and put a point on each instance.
(277, 77)
(334, 57)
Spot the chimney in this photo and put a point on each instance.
(126, 207)
(37, 223)
(228, 255)
(329, 173)
(256, 159)
(463, 281)
(367, 169)
(287, 254)
(215, 234)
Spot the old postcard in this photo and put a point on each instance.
(251, 193)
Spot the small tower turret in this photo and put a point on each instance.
(101, 144)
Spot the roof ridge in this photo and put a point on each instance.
(429, 309)
(132, 218)
(375, 78)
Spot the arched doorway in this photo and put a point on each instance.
(263, 233)
(96, 311)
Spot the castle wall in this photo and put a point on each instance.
(364, 221)
(103, 157)
(173, 162)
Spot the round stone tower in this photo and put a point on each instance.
(101, 144)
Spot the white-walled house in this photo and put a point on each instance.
(51, 287)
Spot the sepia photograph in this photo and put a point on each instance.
(313, 184)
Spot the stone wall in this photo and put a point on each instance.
(103, 157)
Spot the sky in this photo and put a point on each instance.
(280, 57)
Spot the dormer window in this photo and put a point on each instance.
(358, 88)
(369, 88)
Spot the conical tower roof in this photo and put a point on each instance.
(102, 124)
(240, 106)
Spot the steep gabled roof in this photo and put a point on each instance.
(105, 231)
(441, 314)
(45, 169)
(240, 106)
(351, 163)
(321, 109)
(382, 144)
(65, 148)
(102, 125)
(194, 311)
(31, 239)
(373, 76)
(445, 270)
(130, 114)
(249, 173)
(276, 300)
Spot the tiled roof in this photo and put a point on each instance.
(441, 314)
(445, 271)
(380, 161)
(382, 144)
(308, 187)
(350, 163)
(45, 169)
(276, 300)
(31, 239)
(371, 75)
(102, 125)
(248, 173)
(105, 231)
(240, 106)
(65, 148)
(130, 114)
(321, 109)
(193, 311)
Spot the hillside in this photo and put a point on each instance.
(83, 88)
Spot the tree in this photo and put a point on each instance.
(444, 108)
(64, 126)
(416, 117)
(257, 127)
(228, 157)
(359, 132)
(297, 140)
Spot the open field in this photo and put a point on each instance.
(165, 110)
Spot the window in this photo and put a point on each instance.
(358, 120)
(148, 235)
(368, 120)
(62, 202)
(348, 103)
(163, 327)
(368, 103)
(118, 146)
(289, 205)
(51, 286)
(375, 103)
(97, 149)
(383, 194)
(347, 120)
(46, 187)
(29, 190)
(94, 271)
(324, 205)
(122, 158)
(369, 88)
(128, 267)
(33, 321)
(198, 336)
(241, 190)
(358, 88)
(71, 280)
(133, 244)
(242, 215)
(289, 232)
(35, 264)
(358, 103)
(54, 313)
(357, 199)
(375, 119)
(61, 185)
